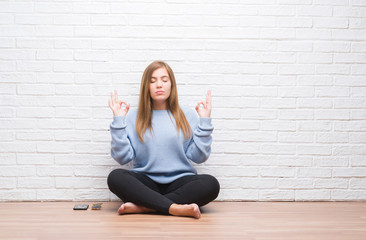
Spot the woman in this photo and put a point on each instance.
(161, 138)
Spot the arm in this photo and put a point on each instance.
(121, 147)
(199, 147)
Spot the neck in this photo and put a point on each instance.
(160, 106)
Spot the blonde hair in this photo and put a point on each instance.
(143, 121)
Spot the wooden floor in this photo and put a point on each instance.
(220, 220)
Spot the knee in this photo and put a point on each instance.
(114, 176)
(213, 186)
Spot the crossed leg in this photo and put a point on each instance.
(142, 195)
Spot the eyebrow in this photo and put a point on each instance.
(165, 76)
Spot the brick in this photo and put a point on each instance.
(91, 172)
(69, 19)
(296, 114)
(298, 22)
(295, 184)
(349, 103)
(290, 137)
(278, 103)
(296, 92)
(239, 194)
(8, 183)
(55, 147)
(58, 55)
(96, 195)
(7, 112)
(296, 69)
(258, 114)
(8, 158)
(54, 171)
(313, 195)
(332, 114)
(350, 126)
(35, 159)
(331, 183)
(74, 43)
(285, 149)
(349, 58)
(278, 195)
(323, 11)
(36, 183)
(357, 137)
(331, 46)
(358, 47)
(235, 147)
(278, 125)
(7, 42)
(53, 7)
(35, 112)
(313, 34)
(339, 195)
(16, 195)
(357, 183)
(54, 194)
(315, 103)
(331, 161)
(33, 19)
(332, 137)
(314, 172)
(358, 161)
(17, 55)
(314, 150)
(315, 58)
(331, 23)
(277, 172)
(358, 92)
(349, 172)
(294, 161)
(333, 69)
(34, 135)
(17, 171)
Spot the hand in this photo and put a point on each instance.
(116, 105)
(206, 110)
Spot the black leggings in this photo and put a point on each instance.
(141, 190)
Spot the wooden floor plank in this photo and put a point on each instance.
(220, 220)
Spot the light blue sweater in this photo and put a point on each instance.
(164, 155)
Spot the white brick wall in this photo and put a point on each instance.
(288, 80)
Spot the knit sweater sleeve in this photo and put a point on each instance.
(199, 146)
(121, 148)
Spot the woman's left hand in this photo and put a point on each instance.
(206, 110)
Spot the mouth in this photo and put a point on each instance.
(159, 92)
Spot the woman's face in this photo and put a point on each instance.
(160, 86)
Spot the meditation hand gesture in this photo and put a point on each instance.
(116, 105)
(206, 110)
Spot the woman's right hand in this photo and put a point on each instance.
(116, 105)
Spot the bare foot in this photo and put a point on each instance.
(187, 210)
(130, 207)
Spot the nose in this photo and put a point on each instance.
(159, 83)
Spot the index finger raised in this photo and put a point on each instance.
(208, 97)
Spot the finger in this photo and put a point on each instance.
(112, 101)
(115, 96)
(208, 97)
(109, 103)
(197, 107)
(124, 102)
(201, 103)
(204, 103)
(127, 108)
